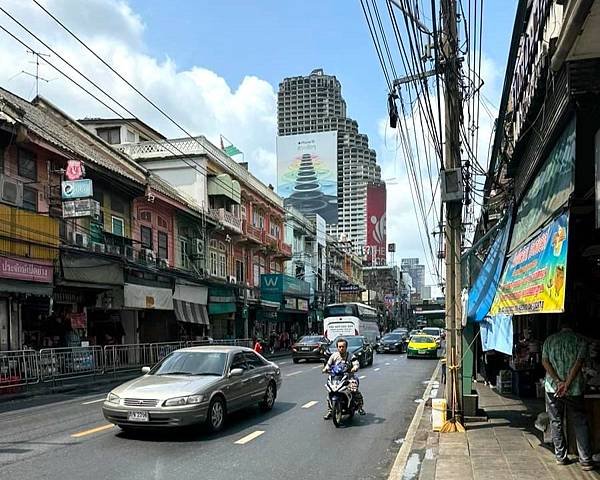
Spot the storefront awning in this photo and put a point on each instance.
(191, 293)
(189, 312)
(29, 288)
(219, 308)
(497, 334)
(483, 291)
(268, 305)
(87, 268)
(142, 296)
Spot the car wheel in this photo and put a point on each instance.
(296, 360)
(269, 398)
(216, 414)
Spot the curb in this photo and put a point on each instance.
(397, 471)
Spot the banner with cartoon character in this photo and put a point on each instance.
(534, 277)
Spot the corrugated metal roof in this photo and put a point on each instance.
(55, 127)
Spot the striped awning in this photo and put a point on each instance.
(189, 312)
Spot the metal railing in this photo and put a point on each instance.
(19, 368)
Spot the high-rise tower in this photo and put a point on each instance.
(314, 103)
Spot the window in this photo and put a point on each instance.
(240, 271)
(183, 252)
(258, 219)
(239, 362)
(130, 136)
(27, 165)
(118, 226)
(146, 216)
(30, 199)
(213, 263)
(274, 230)
(162, 223)
(163, 245)
(110, 135)
(256, 274)
(253, 360)
(222, 265)
(146, 236)
(117, 205)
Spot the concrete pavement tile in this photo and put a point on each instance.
(458, 450)
(427, 470)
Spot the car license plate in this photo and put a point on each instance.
(141, 416)
(386, 348)
(422, 352)
(305, 349)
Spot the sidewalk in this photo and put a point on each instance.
(506, 446)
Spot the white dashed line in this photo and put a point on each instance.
(376, 369)
(387, 363)
(310, 404)
(282, 363)
(362, 376)
(318, 366)
(294, 373)
(94, 401)
(249, 438)
(395, 359)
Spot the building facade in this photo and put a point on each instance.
(416, 272)
(314, 103)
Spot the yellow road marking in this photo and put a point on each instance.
(92, 430)
(249, 438)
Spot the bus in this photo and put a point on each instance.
(350, 319)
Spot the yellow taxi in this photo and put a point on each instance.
(421, 345)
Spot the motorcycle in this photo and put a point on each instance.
(341, 387)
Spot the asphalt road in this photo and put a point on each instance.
(69, 439)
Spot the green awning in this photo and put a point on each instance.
(223, 185)
(218, 308)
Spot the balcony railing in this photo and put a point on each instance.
(285, 249)
(270, 238)
(228, 219)
(252, 232)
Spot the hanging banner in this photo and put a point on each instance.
(535, 275)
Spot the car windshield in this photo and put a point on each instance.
(352, 341)
(423, 339)
(431, 331)
(191, 363)
(310, 339)
(392, 336)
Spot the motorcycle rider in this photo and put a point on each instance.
(343, 356)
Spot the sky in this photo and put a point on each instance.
(215, 66)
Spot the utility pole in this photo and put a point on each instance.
(453, 228)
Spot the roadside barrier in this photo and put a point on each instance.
(19, 368)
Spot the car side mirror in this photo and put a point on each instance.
(145, 370)
(236, 372)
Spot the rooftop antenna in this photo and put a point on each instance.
(37, 70)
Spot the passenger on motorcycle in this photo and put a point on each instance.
(343, 356)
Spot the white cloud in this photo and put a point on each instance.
(199, 99)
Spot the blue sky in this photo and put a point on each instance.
(273, 40)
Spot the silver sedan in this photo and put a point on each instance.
(194, 385)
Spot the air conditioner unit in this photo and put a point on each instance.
(231, 279)
(148, 255)
(164, 263)
(113, 249)
(11, 191)
(129, 252)
(80, 239)
(198, 247)
(98, 247)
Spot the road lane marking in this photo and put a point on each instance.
(362, 376)
(294, 373)
(376, 369)
(387, 363)
(94, 401)
(249, 438)
(282, 363)
(318, 366)
(92, 430)
(310, 404)
(395, 359)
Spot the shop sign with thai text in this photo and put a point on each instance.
(87, 207)
(25, 270)
(534, 277)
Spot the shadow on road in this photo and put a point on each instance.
(236, 422)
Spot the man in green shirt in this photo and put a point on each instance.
(563, 356)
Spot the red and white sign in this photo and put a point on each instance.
(376, 231)
(74, 170)
(26, 270)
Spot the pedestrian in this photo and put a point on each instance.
(563, 356)
(257, 345)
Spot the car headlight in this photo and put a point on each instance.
(178, 401)
(112, 398)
